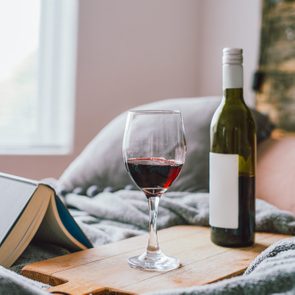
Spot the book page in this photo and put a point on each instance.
(14, 196)
(53, 230)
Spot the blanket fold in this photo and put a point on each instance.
(11, 283)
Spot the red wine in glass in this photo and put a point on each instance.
(153, 175)
(154, 149)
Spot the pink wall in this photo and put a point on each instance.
(228, 23)
(132, 52)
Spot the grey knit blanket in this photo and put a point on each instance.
(109, 217)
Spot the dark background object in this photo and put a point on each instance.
(274, 82)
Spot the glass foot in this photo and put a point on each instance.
(154, 261)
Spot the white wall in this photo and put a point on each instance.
(132, 52)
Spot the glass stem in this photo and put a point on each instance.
(153, 244)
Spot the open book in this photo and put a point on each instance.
(32, 210)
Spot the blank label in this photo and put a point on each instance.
(224, 191)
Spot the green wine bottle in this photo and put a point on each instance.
(232, 161)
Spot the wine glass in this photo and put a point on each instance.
(154, 149)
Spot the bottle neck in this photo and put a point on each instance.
(233, 81)
(233, 94)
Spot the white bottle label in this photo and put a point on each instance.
(224, 191)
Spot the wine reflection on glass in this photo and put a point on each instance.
(154, 149)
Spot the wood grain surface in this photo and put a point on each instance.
(104, 270)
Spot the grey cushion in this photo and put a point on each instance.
(101, 163)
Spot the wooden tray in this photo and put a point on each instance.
(104, 270)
